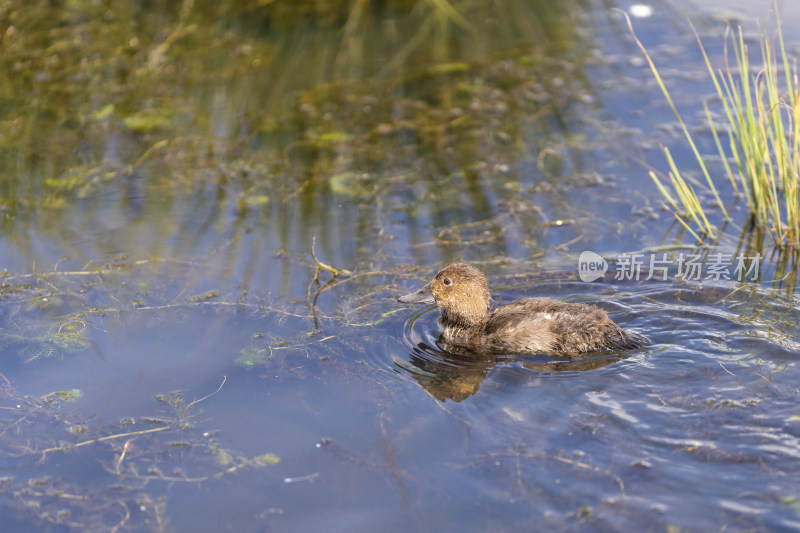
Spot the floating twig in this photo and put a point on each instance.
(224, 379)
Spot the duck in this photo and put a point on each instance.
(526, 326)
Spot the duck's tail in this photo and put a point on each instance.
(629, 340)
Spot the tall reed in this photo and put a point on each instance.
(762, 152)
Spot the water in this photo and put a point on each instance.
(705, 418)
(171, 362)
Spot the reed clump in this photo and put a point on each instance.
(761, 154)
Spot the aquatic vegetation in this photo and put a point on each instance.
(129, 460)
(762, 155)
(148, 121)
(268, 350)
(63, 396)
(48, 339)
(259, 352)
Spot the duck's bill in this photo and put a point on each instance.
(421, 296)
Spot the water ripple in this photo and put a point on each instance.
(711, 403)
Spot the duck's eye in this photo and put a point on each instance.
(447, 281)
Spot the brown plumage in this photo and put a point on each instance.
(531, 325)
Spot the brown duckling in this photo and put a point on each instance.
(527, 326)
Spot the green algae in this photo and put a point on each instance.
(63, 396)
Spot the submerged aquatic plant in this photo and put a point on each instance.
(763, 149)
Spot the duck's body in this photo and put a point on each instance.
(531, 325)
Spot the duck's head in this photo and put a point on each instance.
(460, 290)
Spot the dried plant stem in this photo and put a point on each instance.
(320, 265)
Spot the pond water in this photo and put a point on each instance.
(175, 359)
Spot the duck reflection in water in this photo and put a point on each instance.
(457, 376)
(477, 335)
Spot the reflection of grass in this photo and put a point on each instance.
(763, 149)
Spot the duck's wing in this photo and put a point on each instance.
(524, 326)
(551, 325)
(530, 312)
(521, 313)
(587, 328)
